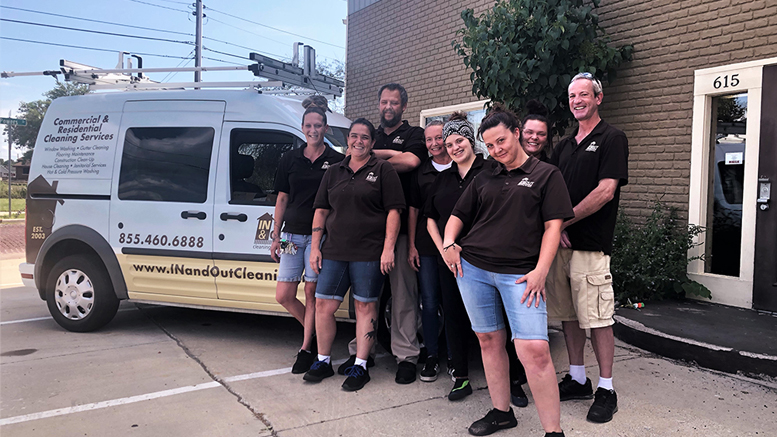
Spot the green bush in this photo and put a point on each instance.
(650, 261)
(18, 191)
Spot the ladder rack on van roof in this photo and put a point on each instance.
(280, 74)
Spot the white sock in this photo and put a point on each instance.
(324, 358)
(361, 362)
(577, 373)
(605, 383)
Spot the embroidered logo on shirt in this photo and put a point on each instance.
(325, 165)
(525, 182)
(592, 147)
(372, 177)
(398, 140)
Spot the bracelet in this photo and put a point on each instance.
(448, 247)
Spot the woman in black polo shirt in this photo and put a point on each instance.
(513, 215)
(358, 203)
(296, 182)
(536, 138)
(422, 253)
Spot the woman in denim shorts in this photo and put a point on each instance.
(299, 174)
(513, 215)
(358, 205)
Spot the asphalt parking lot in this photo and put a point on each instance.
(181, 372)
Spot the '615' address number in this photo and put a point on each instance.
(726, 81)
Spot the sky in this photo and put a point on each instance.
(268, 27)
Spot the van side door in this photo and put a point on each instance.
(162, 202)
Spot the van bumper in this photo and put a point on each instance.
(27, 271)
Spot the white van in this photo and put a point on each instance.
(161, 197)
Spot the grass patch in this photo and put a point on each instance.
(16, 205)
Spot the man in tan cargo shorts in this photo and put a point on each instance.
(594, 162)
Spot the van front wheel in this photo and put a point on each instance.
(79, 294)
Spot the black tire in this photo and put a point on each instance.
(80, 295)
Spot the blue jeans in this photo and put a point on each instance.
(292, 266)
(481, 290)
(429, 287)
(363, 277)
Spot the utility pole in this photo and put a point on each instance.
(198, 40)
(10, 143)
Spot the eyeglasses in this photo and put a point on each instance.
(587, 75)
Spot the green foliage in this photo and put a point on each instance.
(18, 191)
(33, 112)
(649, 262)
(530, 49)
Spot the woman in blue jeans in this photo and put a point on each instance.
(296, 182)
(422, 253)
(358, 204)
(513, 215)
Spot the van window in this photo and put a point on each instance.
(166, 164)
(254, 158)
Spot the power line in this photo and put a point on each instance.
(159, 6)
(188, 57)
(225, 53)
(176, 2)
(242, 47)
(95, 21)
(98, 32)
(273, 28)
(247, 31)
(86, 48)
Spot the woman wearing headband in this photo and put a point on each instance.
(513, 218)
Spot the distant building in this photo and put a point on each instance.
(692, 64)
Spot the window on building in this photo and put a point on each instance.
(166, 164)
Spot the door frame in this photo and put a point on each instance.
(710, 83)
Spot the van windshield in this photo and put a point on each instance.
(337, 137)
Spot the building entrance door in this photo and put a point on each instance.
(765, 268)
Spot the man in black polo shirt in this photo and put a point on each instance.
(594, 162)
(403, 146)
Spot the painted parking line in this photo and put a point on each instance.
(147, 397)
(37, 319)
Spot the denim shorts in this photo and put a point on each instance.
(485, 292)
(292, 266)
(363, 277)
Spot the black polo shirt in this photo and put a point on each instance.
(421, 181)
(603, 154)
(448, 187)
(300, 178)
(359, 204)
(506, 212)
(405, 139)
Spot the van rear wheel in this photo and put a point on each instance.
(79, 294)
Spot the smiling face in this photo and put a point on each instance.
(391, 108)
(459, 148)
(359, 142)
(582, 101)
(434, 142)
(504, 145)
(534, 137)
(314, 128)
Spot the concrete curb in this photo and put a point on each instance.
(707, 355)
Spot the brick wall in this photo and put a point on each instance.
(652, 101)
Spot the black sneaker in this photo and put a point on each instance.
(305, 359)
(357, 376)
(605, 405)
(555, 434)
(569, 389)
(318, 371)
(517, 395)
(430, 370)
(493, 422)
(351, 361)
(405, 372)
(461, 389)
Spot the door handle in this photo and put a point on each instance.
(199, 215)
(239, 217)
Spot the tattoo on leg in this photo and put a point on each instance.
(371, 335)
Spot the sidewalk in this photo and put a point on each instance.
(718, 337)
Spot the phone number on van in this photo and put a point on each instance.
(161, 240)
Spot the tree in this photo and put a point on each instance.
(530, 49)
(33, 112)
(730, 110)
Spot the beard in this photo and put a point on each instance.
(390, 122)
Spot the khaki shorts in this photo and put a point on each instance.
(579, 287)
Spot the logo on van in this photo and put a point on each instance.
(263, 228)
(372, 177)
